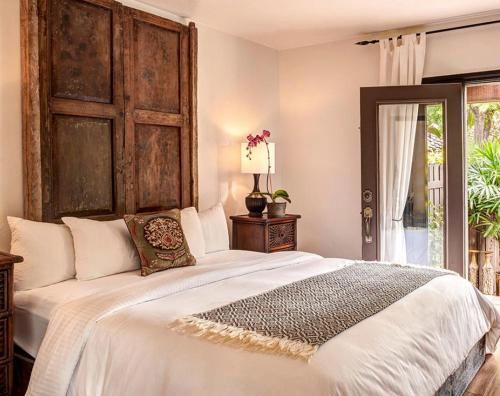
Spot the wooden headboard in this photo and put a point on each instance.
(109, 110)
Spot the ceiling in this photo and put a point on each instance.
(283, 24)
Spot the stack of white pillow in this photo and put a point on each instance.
(89, 249)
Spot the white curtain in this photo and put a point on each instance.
(401, 63)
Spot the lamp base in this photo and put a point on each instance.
(255, 204)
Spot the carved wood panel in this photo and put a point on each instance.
(88, 151)
(281, 234)
(4, 292)
(4, 337)
(4, 379)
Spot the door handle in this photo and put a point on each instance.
(367, 221)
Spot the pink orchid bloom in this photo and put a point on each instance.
(253, 141)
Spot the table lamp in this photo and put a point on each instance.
(258, 164)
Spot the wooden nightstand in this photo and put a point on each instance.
(264, 234)
(6, 326)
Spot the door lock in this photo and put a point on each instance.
(367, 196)
(367, 221)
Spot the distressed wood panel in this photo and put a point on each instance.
(81, 108)
(32, 172)
(156, 65)
(74, 56)
(81, 42)
(158, 167)
(83, 165)
(193, 110)
(158, 91)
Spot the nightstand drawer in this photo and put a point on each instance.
(6, 326)
(5, 375)
(282, 236)
(4, 339)
(4, 291)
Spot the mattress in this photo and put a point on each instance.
(33, 307)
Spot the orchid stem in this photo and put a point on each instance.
(268, 178)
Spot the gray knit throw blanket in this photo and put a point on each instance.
(294, 320)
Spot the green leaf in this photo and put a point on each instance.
(281, 194)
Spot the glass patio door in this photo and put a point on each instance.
(413, 189)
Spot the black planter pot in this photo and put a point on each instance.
(276, 209)
(256, 204)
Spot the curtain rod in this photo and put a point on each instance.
(366, 42)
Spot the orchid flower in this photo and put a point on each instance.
(253, 141)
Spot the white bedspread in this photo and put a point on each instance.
(118, 342)
(33, 308)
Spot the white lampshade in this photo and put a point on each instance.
(258, 164)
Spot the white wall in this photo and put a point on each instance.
(319, 89)
(319, 104)
(308, 98)
(11, 200)
(237, 94)
(463, 51)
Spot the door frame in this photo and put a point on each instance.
(451, 96)
(465, 78)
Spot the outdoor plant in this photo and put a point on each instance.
(436, 240)
(254, 141)
(484, 188)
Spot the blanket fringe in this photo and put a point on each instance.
(245, 339)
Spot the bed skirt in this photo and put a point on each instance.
(457, 383)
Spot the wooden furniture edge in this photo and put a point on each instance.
(31, 116)
(23, 366)
(264, 219)
(7, 261)
(7, 258)
(193, 116)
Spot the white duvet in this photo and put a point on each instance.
(117, 342)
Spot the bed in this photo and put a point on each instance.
(91, 154)
(412, 347)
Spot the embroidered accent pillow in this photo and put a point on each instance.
(160, 241)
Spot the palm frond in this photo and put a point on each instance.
(484, 188)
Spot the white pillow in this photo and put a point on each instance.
(214, 225)
(191, 226)
(47, 250)
(101, 247)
